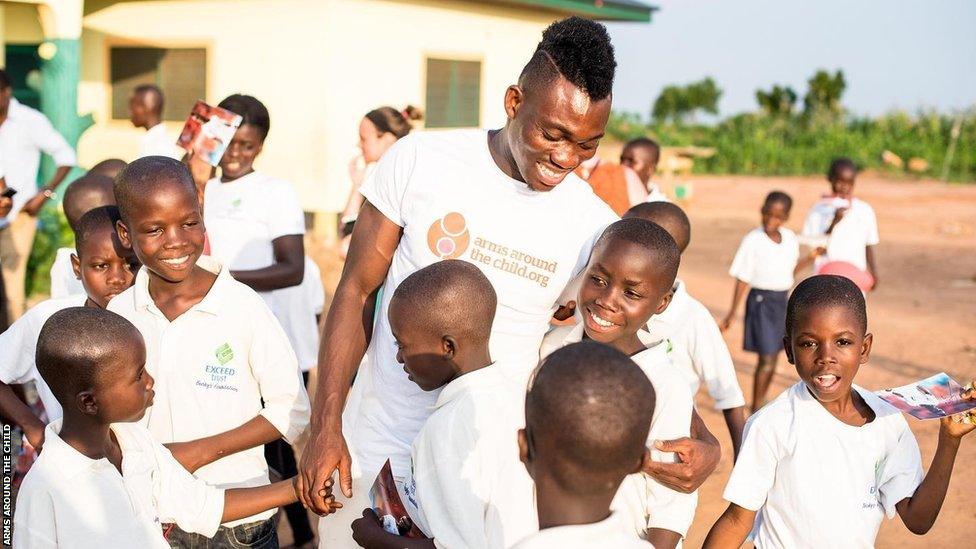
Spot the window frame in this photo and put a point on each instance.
(452, 56)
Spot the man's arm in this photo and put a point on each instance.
(348, 328)
(194, 454)
(287, 270)
(731, 529)
(33, 206)
(14, 410)
(699, 456)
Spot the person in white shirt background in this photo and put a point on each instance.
(845, 225)
(642, 155)
(587, 417)
(146, 111)
(6, 204)
(766, 262)
(24, 134)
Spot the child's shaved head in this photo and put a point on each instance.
(95, 221)
(89, 191)
(145, 176)
(78, 346)
(824, 291)
(658, 243)
(109, 167)
(449, 297)
(667, 215)
(587, 416)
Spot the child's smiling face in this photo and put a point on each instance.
(622, 289)
(165, 229)
(238, 159)
(828, 346)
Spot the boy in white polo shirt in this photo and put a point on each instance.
(102, 481)
(586, 421)
(629, 279)
(215, 349)
(470, 488)
(699, 351)
(824, 463)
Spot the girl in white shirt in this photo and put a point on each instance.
(765, 264)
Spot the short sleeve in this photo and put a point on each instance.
(755, 469)
(711, 359)
(286, 216)
(902, 471)
(387, 186)
(17, 346)
(744, 264)
(181, 498)
(51, 142)
(871, 238)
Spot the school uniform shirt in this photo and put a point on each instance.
(453, 202)
(603, 534)
(158, 142)
(295, 308)
(18, 345)
(69, 500)
(213, 365)
(764, 264)
(641, 501)
(471, 488)
(63, 279)
(818, 482)
(24, 135)
(852, 234)
(698, 350)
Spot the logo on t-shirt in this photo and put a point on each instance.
(448, 237)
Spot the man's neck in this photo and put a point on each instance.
(501, 153)
(152, 122)
(87, 435)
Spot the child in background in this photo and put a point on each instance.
(825, 462)
(629, 279)
(89, 191)
(587, 416)
(846, 224)
(699, 351)
(105, 269)
(110, 167)
(227, 379)
(470, 488)
(765, 263)
(102, 480)
(642, 155)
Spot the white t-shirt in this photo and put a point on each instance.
(655, 194)
(70, 500)
(453, 201)
(605, 534)
(764, 264)
(63, 279)
(698, 350)
(850, 237)
(471, 488)
(296, 308)
(18, 345)
(214, 365)
(818, 482)
(641, 501)
(158, 142)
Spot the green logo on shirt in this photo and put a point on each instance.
(236, 203)
(224, 354)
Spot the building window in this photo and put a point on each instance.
(180, 73)
(453, 94)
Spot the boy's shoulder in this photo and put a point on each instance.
(777, 415)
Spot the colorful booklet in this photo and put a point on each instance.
(931, 398)
(387, 501)
(208, 131)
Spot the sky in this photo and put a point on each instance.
(895, 54)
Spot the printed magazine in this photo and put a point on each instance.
(208, 131)
(931, 398)
(387, 501)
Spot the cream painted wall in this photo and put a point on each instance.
(319, 66)
(21, 24)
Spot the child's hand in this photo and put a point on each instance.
(839, 214)
(367, 529)
(35, 437)
(565, 312)
(956, 426)
(329, 497)
(818, 251)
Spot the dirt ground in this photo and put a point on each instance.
(922, 315)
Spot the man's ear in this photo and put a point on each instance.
(76, 266)
(665, 301)
(645, 461)
(525, 451)
(123, 234)
(449, 347)
(87, 403)
(514, 97)
(866, 348)
(789, 349)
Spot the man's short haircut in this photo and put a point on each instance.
(109, 167)
(252, 111)
(5, 81)
(146, 175)
(823, 291)
(76, 347)
(779, 197)
(650, 236)
(450, 297)
(838, 165)
(96, 220)
(87, 192)
(668, 215)
(646, 143)
(154, 96)
(593, 405)
(580, 51)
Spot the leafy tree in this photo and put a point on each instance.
(778, 101)
(678, 103)
(824, 93)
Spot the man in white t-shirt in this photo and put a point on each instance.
(505, 200)
(848, 224)
(146, 111)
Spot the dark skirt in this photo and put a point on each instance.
(765, 322)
